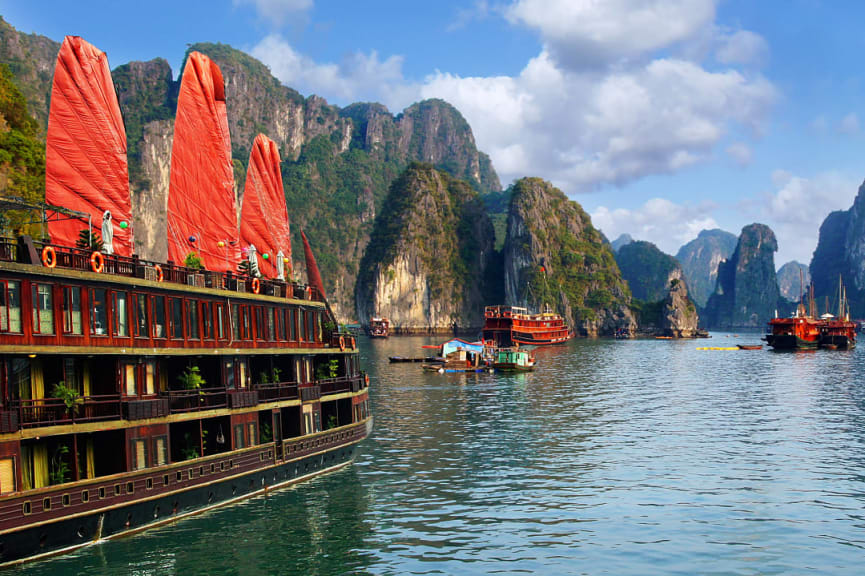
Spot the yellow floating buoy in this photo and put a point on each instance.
(718, 348)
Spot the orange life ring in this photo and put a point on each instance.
(49, 257)
(97, 262)
(342, 343)
(366, 378)
(160, 276)
(256, 286)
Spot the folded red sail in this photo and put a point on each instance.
(85, 155)
(202, 215)
(263, 217)
(313, 276)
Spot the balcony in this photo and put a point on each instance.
(180, 401)
(242, 398)
(277, 392)
(52, 411)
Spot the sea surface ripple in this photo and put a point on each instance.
(614, 457)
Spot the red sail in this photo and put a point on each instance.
(312, 273)
(202, 215)
(263, 217)
(85, 156)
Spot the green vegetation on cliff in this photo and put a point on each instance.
(438, 222)
(646, 269)
(22, 152)
(553, 255)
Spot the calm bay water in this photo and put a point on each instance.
(629, 457)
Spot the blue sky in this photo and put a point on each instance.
(661, 117)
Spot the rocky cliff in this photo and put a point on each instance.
(700, 258)
(678, 317)
(31, 58)
(747, 293)
(553, 255)
(647, 270)
(793, 279)
(425, 264)
(841, 253)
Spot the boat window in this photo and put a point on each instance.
(228, 374)
(142, 319)
(246, 327)
(260, 326)
(206, 321)
(280, 324)
(251, 429)
(192, 319)
(158, 309)
(139, 453)
(72, 310)
(175, 305)
(129, 387)
(235, 321)
(292, 328)
(220, 321)
(10, 306)
(150, 377)
(271, 325)
(160, 453)
(120, 311)
(238, 436)
(242, 373)
(98, 314)
(43, 309)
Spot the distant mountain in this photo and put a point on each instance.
(840, 253)
(747, 293)
(553, 255)
(791, 283)
(647, 270)
(700, 258)
(621, 241)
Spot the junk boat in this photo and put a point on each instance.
(379, 327)
(134, 393)
(510, 325)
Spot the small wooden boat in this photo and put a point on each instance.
(398, 359)
(512, 360)
(750, 346)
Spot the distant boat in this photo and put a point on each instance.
(509, 325)
(749, 346)
(379, 327)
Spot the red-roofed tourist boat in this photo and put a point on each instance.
(509, 325)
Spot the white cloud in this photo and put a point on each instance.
(660, 221)
(276, 11)
(588, 33)
(742, 47)
(581, 127)
(797, 206)
(849, 124)
(740, 153)
(358, 77)
(478, 11)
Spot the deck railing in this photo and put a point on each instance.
(274, 392)
(48, 411)
(194, 400)
(80, 259)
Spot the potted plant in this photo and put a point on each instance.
(70, 396)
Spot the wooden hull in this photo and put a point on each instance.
(156, 507)
(511, 367)
(790, 342)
